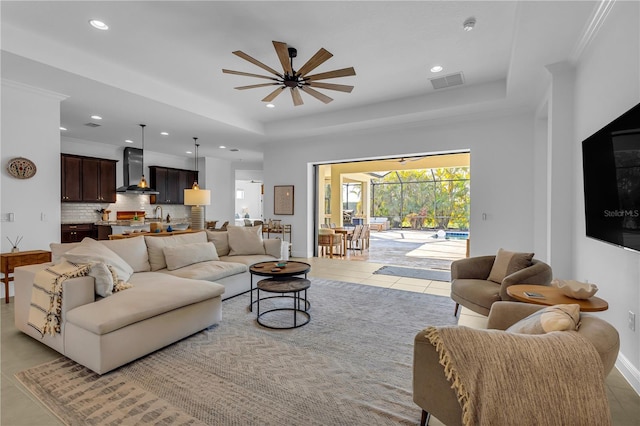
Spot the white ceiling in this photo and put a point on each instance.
(160, 64)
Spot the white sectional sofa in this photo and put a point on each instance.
(178, 283)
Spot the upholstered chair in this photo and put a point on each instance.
(434, 394)
(478, 282)
(328, 239)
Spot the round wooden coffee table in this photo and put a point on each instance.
(287, 268)
(553, 296)
(282, 285)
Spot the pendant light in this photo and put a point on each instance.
(143, 181)
(195, 181)
(196, 197)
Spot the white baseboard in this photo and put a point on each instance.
(629, 371)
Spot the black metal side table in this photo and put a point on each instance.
(284, 285)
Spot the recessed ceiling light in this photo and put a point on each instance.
(222, 147)
(189, 152)
(96, 117)
(98, 25)
(436, 68)
(63, 128)
(469, 24)
(164, 133)
(128, 141)
(270, 105)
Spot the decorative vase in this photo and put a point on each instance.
(15, 249)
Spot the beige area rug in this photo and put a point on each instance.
(351, 365)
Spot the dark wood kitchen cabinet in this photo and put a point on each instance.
(71, 176)
(88, 179)
(98, 180)
(76, 232)
(170, 184)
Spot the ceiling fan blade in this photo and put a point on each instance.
(283, 55)
(320, 96)
(316, 60)
(271, 96)
(331, 86)
(248, 74)
(256, 62)
(295, 95)
(253, 86)
(344, 72)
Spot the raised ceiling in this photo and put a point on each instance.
(160, 63)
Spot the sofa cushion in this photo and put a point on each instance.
(210, 271)
(153, 294)
(188, 254)
(221, 240)
(508, 262)
(132, 250)
(553, 318)
(58, 249)
(91, 250)
(245, 240)
(156, 244)
(249, 259)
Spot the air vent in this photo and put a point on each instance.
(91, 125)
(447, 81)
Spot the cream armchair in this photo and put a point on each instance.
(433, 393)
(471, 288)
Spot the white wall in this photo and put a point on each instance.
(607, 84)
(30, 128)
(219, 178)
(502, 181)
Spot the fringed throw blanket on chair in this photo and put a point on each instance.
(45, 311)
(506, 378)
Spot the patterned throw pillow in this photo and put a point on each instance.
(553, 318)
(508, 262)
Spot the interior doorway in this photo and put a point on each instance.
(417, 207)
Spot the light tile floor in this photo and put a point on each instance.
(18, 351)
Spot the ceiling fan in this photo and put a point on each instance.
(404, 160)
(295, 81)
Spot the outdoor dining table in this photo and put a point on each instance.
(345, 233)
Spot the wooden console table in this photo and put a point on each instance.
(10, 261)
(553, 296)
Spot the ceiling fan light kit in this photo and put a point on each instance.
(293, 80)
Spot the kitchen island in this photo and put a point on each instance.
(163, 233)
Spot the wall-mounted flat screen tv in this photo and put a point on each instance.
(611, 171)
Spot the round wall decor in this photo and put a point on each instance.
(21, 168)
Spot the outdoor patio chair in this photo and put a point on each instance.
(355, 241)
(328, 239)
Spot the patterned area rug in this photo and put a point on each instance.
(351, 365)
(424, 274)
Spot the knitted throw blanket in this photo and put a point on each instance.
(45, 311)
(507, 378)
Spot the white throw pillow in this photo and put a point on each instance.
(59, 249)
(188, 254)
(132, 250)
(245, 240)
(156, 244)
(554, 318)
(103, 278)
(91, 250)
(221, 240)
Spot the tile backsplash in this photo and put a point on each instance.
(86, 212)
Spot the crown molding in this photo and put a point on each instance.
(591, 28)
(33, 89)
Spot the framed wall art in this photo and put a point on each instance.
(283, 199)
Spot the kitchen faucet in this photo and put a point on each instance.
(155, 212)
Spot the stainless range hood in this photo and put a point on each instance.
(133, 172)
